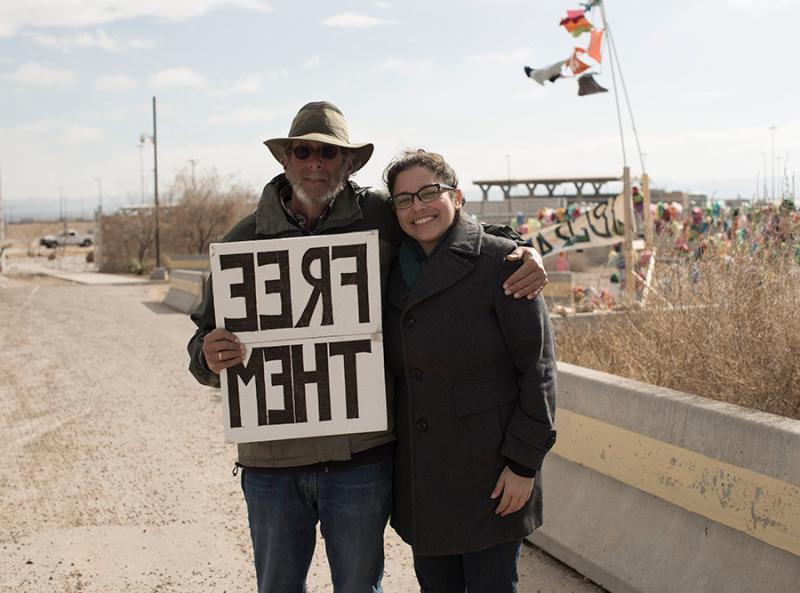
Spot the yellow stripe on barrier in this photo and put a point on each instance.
(761, 506)
(191, 286)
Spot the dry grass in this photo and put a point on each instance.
(724, 327)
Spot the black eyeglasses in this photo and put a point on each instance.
(326, 151)
(426, 194)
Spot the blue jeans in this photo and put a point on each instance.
(352, 506)
(493, 570)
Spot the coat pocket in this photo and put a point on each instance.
(473, 398)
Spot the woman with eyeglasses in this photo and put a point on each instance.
(475, 402)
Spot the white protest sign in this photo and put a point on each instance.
(601, 225)
(309, 311)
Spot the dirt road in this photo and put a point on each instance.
(114, 476)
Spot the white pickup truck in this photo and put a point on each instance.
(70, 237)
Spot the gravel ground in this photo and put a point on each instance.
(114, 475)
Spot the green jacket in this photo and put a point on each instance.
(355, 209)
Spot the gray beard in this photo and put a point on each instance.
(326, 197)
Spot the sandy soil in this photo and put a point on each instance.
(114, 475)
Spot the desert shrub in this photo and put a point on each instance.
(723, 322)
(126, 240)
(192, 215)
(203, 211)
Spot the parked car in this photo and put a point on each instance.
(70, 237)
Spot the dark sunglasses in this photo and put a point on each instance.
(326, 151)
(426, 194)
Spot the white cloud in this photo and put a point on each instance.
(311, 62)
(382, 4)
(510, 57)
(118, 82)
(423, 66)
(246, 116)
(34, 74)
(18, 14)
(249, 84)
(354, 19)
(53, 131)
(760, 5)
(177, 77)
(99, 40)
(122, 113)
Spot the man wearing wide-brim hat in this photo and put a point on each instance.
(344, 482)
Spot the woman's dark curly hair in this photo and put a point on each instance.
(432, 161)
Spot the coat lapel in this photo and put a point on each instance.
(451, 262)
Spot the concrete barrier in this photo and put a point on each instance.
(650, 490)
(185, 289)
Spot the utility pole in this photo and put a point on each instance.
(142, 139)
(99, 194)
(63, 209)
(158, 272)
(772, 129)
(193, 163)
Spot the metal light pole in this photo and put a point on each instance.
(63, 209)
(158, 272)
(193, 163)
(142, 139)
(99, 194)
(772, 129)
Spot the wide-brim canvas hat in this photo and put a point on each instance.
(321, 121)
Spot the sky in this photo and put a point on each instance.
(705, 80)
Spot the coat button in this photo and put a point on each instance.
(422, 424)
(416, 374)
(409, 322)
(551, 441)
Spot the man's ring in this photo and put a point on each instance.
(220, 356)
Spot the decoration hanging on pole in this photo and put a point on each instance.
(584, 60)
(551, 73)
(594, 45)
(576, 23)
(575, 63)
(587, 85)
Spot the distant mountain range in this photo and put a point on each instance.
(42, 209)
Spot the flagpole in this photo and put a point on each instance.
(614, 60)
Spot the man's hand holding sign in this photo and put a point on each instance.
(298, 341)
(223, 350)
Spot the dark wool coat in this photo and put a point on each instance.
(475, 373)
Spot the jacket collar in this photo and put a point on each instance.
(465, 239)
(449, 264)
(271, 217)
